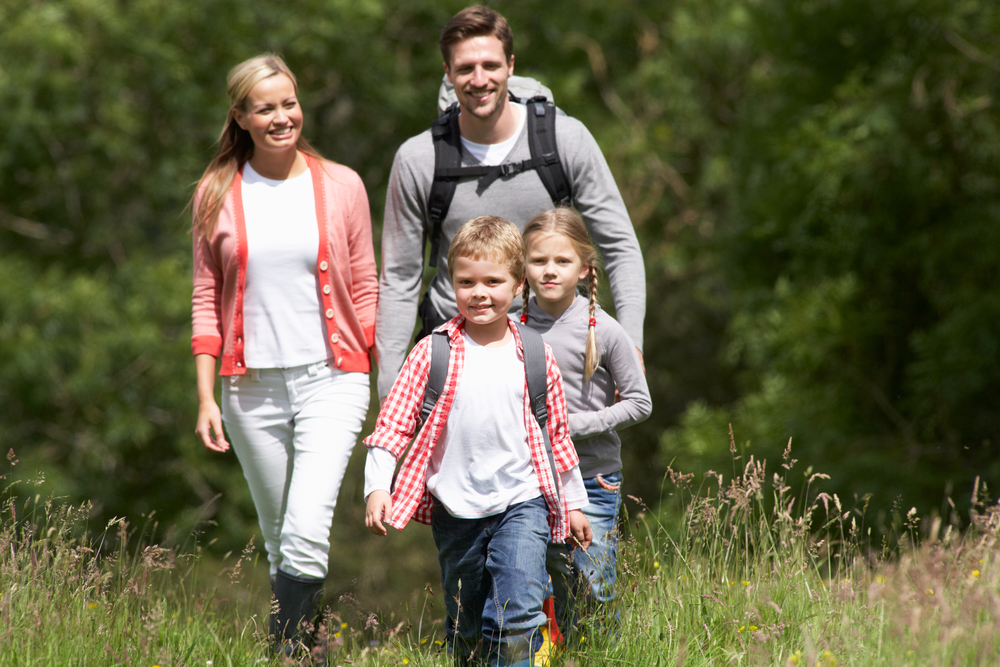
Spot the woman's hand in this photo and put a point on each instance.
(209, 427)
(379, 508)
(580, 532)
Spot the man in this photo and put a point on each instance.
(477, 45)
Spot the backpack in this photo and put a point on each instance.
(448, 153)
(534, 370)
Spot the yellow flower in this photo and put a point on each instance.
(91, 605)
(753, 628)
(975, 573)
(732, 583)
(424, 640)
(742, 628)
(880, 579)
(656, 564)
(406, 661)
(827, 658)
(438, 642)
(930, 591)
(583, 639)
(343, 625)
(796, 658)
(746, 583)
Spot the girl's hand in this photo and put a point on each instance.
(379, 508)
(579, 529)
(209, 427)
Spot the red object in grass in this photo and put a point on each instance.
(549, 607)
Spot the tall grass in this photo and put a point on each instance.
(758, 567)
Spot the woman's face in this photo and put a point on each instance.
(272, 115)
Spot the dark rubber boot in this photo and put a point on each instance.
(298, 601)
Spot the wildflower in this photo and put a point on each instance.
(732, 583)
(753, 628)
(583, 639)
(930, 591)
(656, 564)
(91, 605)
(424, 640)
(795, 658)
(343, 626)
(827, 658)
(880, 579)
(336, 635)
(438, 642)
(746, 583)
(742, 628)
(975, 573)
(406, 661)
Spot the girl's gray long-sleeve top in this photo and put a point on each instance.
(593, 414)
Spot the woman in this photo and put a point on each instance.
(284, 290)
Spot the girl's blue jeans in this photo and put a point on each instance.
(587, 578)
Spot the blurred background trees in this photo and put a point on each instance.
(814, 184)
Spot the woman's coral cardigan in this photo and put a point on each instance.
(345, 264)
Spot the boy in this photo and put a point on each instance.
(478, 471)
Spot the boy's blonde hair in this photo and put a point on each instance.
(567, 223)
(489, 237)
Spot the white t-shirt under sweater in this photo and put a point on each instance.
(494, 154)
(482, 465)
(283, 317)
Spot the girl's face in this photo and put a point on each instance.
(554, 268)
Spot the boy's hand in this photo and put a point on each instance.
(579, 529)
(380, 507)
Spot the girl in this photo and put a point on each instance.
(284, 291)
(596, 357)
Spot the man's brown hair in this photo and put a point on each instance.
(476, 21)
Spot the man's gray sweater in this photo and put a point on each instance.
(516, 198)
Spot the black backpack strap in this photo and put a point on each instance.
(535, 373)
(447, 156)
(440, 352)
(448, 167)
(542, 142)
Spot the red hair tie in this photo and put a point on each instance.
(593, 322)
(524, 318)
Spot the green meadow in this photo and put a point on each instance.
(756, 566)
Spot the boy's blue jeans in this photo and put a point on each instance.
(581, 577)
(493, 574)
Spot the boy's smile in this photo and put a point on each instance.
(484, 291)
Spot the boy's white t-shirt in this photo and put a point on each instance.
(283, 317)
(482, 464)
(471, 481)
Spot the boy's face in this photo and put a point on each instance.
(484, 290)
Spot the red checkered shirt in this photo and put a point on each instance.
(398, 422)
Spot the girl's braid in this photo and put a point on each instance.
(593, 357)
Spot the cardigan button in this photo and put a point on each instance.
(326, 289)
(323, 265)
(329, 313)
(334, 337)
(238, 364)
(339, 359)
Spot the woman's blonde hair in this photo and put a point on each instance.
(567, 223)
(235, 144)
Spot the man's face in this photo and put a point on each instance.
(479, 71)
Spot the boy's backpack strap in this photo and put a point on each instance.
(535, 373)
(544, 153)
(440, 352)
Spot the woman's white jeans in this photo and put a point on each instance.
(293, 430)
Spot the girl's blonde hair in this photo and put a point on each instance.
(235, 144)
(568, 223)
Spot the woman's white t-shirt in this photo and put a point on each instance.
(283, 316)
